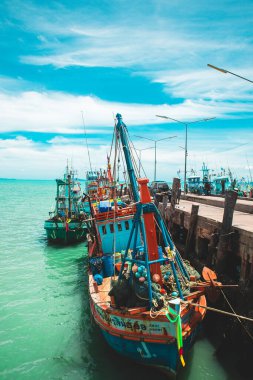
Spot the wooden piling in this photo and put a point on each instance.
(174, 196)
(191, 230)
(165, 203)
(226, 228)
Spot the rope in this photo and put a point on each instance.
(177, 320)
(217, 310)
(113, 136)
(138, 158)
(114, 230)
(153, 314)
(125, 172)
(237, 317)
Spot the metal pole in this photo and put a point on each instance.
(224, 71)
(140, 163)
(185, 157)
(155, 163)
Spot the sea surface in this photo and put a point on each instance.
(46, 330)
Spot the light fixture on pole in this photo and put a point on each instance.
(155, 141)
(139, 158)
(228, 72)
(186, 142)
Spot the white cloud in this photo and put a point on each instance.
(56, 112)
(61, 113)
(24, 158)
(206, 84)
(157, 46)
(170, 45)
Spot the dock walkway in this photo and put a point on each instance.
(241, 220)
(243, 204)
(209, 224)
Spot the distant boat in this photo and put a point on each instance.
(67, 222)
(210, 184)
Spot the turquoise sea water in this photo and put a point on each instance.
(46, 331)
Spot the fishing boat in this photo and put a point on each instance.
(141, 291)
(198, 185)
(194, 184)
(67, 222)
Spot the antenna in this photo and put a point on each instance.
(86, 141)
(249, 168)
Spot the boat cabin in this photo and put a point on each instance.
(194, 184)
(221, 184)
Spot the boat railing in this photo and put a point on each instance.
(130, 210)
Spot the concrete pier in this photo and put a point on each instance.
(209, 226)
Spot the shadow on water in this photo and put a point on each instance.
(226, 351)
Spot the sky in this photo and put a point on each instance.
(64, 59)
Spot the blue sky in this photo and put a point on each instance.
(138, 58)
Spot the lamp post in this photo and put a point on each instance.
(228, 72)
(140, 150)
(155, 141)
(186, 138)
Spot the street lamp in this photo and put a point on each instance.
(155, 141)
(140, 150)
(228, 72)
(186, 137)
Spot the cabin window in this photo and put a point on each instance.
(111, 228)
(127, 224)
(104, 230)
(119, 227)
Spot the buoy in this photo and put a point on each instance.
(156, 277)
(134, 268)
(98, 278)
(137, 274)
(174, 294)
(162, 291)
(142, 279)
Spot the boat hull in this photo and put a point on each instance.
(163, 356)
(144, 340)
(58, 232)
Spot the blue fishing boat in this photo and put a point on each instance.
(194, 184)
(221, 183)
(200, 185)
(67, 222)
(143, 295)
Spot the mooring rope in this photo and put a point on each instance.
(217, 310)
(238, 317)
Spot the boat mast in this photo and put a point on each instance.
(57, 198)
(148, 217)
(121, 130)
(69, 193)
(85, 134)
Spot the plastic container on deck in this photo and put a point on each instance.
(108, 265)
(160, 254)
(117, 256)
(96, 265)
(105, 206)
